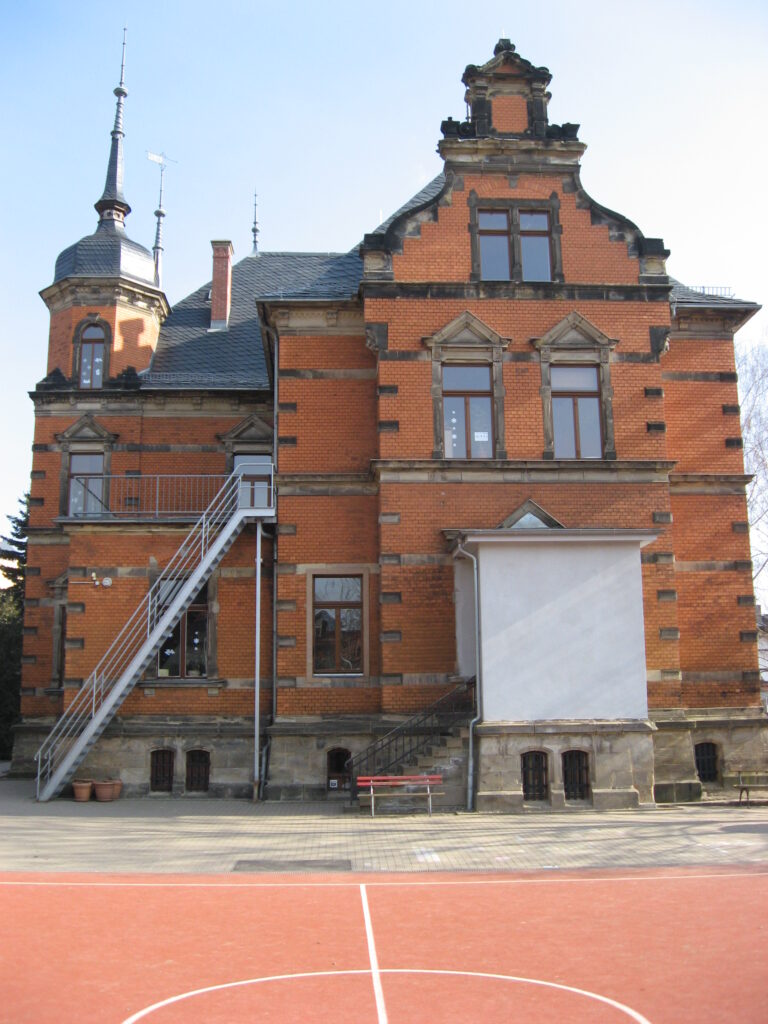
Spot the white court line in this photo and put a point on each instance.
(547, 880)
(381, 1009)
(621, 1007)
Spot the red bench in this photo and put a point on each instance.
(377, 786)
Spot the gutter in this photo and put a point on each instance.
(460, 550)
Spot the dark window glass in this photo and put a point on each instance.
(338, 625)
(86, 484)
(576, 774)
(576, 420)
(92, 357)
(161, 771)
(534, 247)
(706, 761)
(184, 651)
(198, 771)
(535, 775)
(467, 417)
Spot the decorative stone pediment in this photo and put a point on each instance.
(575, 333)
(252, 432)
(86, 430)
(466, 333)
(530, 516)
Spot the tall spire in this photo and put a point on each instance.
(255, 228)
(157, 248)
(112, 207)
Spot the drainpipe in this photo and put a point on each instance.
(478, 687)
(274, 539)
(257, 664)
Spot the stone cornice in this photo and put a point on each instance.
(503, 471)
(106, 291)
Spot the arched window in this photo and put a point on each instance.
(338, 773)
(92, 356)
(535, 775)
(161, 771)
(576, 774)
(706, 761)
(198, 771)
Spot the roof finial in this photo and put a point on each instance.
(112, 207)
(255, 228)
(157, 248)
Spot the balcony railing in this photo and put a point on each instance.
(163, 497)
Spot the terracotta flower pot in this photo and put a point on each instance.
(82, 788)
(104, 791)
(117, 788)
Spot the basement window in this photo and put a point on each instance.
(161, 771)
(576, 774)
(198, 771)
(706, 761)
(535, 775)
(338, 773)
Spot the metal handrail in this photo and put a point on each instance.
(156, 610)
(152, 496)
(412, 736)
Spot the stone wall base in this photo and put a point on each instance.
(620, 757)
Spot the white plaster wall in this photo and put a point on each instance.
(464, 599)
(562, 631)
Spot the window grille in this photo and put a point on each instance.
(161, 771)
(576, 774)
(706, 761)
(535, 775)
(198, 771)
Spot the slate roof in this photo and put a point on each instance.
(428, 192)
(189, 355)
(684, 295)
(108, 252)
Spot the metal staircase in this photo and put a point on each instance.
(247, 494)
(390, 753)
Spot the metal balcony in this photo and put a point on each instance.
(110, 497)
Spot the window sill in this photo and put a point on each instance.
(187, 682)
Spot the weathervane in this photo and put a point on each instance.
(157, 248)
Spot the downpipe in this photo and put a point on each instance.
(478, 687)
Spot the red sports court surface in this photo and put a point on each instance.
(664, 947)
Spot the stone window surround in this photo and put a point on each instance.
(575, 341)
(338, 569)
(92, 320)
(468, 341)
(550, 206)
(85, 437)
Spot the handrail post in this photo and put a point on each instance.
(157, 498)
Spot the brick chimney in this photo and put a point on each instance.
(221, 286)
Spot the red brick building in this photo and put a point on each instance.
(493, 443)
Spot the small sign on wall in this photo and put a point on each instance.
(481, 435)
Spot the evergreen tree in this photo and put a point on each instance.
(14, 551)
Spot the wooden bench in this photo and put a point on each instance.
(377, 786)
(751, 780)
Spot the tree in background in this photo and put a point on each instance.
(14, 552)
(752, 365)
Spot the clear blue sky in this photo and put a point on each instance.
(331, 111)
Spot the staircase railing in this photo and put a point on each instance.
(247, 492)
(412, 736)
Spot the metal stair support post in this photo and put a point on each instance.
(130, 653)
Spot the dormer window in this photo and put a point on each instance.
(90, 356)
(515, 240)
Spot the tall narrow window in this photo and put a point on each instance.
(467, 412)
(494, 239)
(86, 484)
(535, 776)
(338, 625)
(183, 653)
(535, 249)
(198, 771)
(161, 771)
(92, 344)
(706, 761)
(576, 412)
(576, 774)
